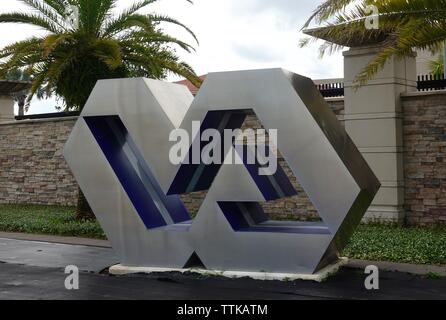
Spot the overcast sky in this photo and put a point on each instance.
(233, 35)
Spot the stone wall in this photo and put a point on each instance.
(424, 128)
(32, 168)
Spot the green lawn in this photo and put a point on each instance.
(370, 242)
(53, 220)
(399, 244)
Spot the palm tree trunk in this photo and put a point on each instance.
(444, 60)
(21, 105)
(21, 110)
(83, 210)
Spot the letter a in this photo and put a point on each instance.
(372, 281)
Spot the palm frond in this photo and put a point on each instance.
(52, 41)
(148, 39)
(108, 51)
(136, 7)
(69, 60)
(127, 22)
(326, 10)
(30, 19)
(46, 11)
(163, 18)
(403, 26)
(58, 5)
(29, 45)
(436, 66)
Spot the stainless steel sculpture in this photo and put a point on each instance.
(119, 154)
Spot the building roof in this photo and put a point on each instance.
(9, 87)
(189, 85)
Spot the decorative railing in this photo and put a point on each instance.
(328, 90)
(62, 114)
(431, 82)
(424, 83)
(331, 90)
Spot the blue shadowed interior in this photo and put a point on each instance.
(250, 217)
(272, 187)
(153, 206)
(242, 216)
(198, 177)
(159, 210)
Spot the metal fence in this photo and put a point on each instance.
(328, 90)
(424, 83)
(431, 82)
(62, 114)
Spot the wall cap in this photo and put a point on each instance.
(334, 99)
(32, 121)
(423, 93)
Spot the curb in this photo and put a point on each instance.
(56, 239)
(416, 269)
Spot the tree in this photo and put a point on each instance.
(20, 97)
(437, 66)
(402, 26)
(84, 42)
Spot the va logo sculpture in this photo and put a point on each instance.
(119, 154)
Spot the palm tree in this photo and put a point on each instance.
(77, 50)
(437, 66)
(71, 57)
(403, 26)
(21, 96)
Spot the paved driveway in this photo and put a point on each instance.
(56, 255)
(35, 270)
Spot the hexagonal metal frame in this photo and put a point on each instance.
(316, 147)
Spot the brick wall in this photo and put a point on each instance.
(424, 128)
(32, 168)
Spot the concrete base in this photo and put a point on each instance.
(384, 214)
(318, 277)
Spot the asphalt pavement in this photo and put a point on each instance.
(35, 270)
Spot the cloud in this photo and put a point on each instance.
(256, 52)
(291, 7)
(289, 11)
(233, 34)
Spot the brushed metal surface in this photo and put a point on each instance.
(316, 147)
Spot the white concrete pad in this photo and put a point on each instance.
(318, 277)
